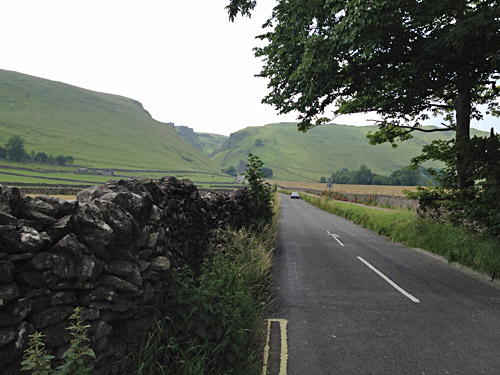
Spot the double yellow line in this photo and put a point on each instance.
(284, 346)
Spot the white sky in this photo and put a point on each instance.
(183, 60)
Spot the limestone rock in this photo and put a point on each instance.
(7, 293)
(49, 316)
(6, 219)
(6, 271)
(160, 263)
(7, 335)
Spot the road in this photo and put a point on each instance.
(349, 301)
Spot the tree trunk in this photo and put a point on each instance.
(463, 114)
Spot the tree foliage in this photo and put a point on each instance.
(231, 170)
(268, 172)
(398, 58)
(243, 7)
(260, 191)
(476, 207)
(404, 60)
(15, 148)
(406, 176)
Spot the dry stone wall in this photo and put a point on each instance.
(111, 251)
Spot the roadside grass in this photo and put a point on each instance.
(456, 244)
(215, 323)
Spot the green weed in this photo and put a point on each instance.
(76, 357)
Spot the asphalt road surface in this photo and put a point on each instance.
(349, 301)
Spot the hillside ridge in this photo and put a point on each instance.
(97, 129)
(319, 152)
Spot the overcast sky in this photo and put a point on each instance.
(183, 60)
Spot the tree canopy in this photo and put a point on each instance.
(403, 59)
(15, 148)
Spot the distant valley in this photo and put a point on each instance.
(109, 132)
(293, 155)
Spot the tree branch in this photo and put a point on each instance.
(412, 128)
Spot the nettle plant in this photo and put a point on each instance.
(76, 358)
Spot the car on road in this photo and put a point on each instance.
(294, 195)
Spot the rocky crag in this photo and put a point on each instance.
(112, 251)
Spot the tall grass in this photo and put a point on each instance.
(457, 244)
(214, 325)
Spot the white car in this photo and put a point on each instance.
(294, 195)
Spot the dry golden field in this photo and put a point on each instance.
(353, 189)
(64, 197)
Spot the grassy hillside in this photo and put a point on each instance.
(206, 143)
(98, 130)
(293, 155)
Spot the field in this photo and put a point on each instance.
(29, 174)
(352, 189)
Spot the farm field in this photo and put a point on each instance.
(352, 189)
(44, 175)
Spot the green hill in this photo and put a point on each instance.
(206, 143)
(97, 129)
(293, 155)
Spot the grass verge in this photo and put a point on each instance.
(478, 251)
(215, 323)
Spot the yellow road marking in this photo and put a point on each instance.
(284, 346)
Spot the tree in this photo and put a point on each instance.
(41, 157)
(380, 180)
(406, 177)
(259, 191)
(342, 176)
(61, 159)
(230, 171)
(363, 176)
(268, 172)
(15, 148)
(3, 152)
(403, 59)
